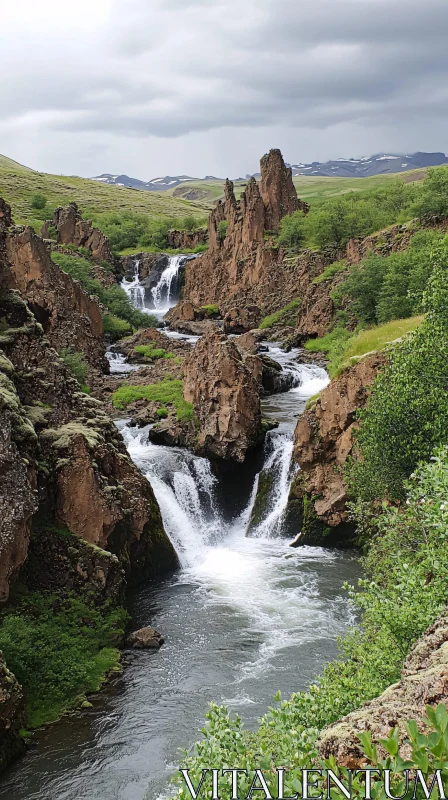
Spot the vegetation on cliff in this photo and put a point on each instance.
(60, 648)
(122, 317)
(167, 392)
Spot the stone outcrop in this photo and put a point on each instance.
(323, 441)
(240, 267)
(70, 318)
(184, 240)
(424, 681)
(150, 267)
(241, 320)
(71, 228)
(223, 384)
(12, 716)
(84, 464)
(145, 639)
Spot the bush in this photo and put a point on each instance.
(168, 392)
(77, 365)
(38, 201)
(432, 200)
(115, 327)
(329, 272)
(58, 649)
(285, 316)
(381, 289)
(152, 353)
(407, 415)
(292, 230)
(222, 229)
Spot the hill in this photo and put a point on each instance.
(18, 184)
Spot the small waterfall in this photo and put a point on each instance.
(185, 490)
(165, 294)
(134, 289)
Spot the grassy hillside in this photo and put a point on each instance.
(308, 188)
(18, 184)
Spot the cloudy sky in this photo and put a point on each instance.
(155, 87)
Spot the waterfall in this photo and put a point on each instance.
(134, 289)
(163, 295)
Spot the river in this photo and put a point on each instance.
(243, 617)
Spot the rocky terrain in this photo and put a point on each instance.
(323, 441)
(71, 228)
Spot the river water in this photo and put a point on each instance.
(243, 617)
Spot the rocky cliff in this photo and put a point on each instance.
(223, 384)
(240, 266)
(71, 228)
(424, 681)
(70, 318)
(323, 441)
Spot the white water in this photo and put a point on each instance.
(163, 296)
(118, 364)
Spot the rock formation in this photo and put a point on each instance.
(223, 384)
(71, 228)
(70, 318)
(323, 441)
(240, 266)
(12, 716)
(241, 320)
(184, 240)
(424, 681)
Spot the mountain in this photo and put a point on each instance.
(379, 164)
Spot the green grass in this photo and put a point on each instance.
(152, 353)
(59, 650)
(168, 392)
(285, 315)
(329, 272)
(378, 338)
(210, 310)
(343, 348)
(19, 184)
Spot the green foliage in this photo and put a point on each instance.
(210, 310)
(432, 200)
(152, 353)
(114, 298)
(77, 365)
(407, 415)
(115, 327)
(333, 344)
(162, 413)
(397, 602)
(329, 272)
(38, 201)
(292, 230)
(381, 289)
(285, 316)
(168, 392)
(188, 224)
(222, 229)
(58, 649)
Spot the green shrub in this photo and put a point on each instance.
(162, 413)
(432, 200)
(292, 230)
(77, 365)
(168, 392)
(152, 353)
(115, 327)
(210, 310)
(38, 201)
(58, 649)
(285, 316)
(407, 415)
(222, 229)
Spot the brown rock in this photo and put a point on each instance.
(145, 639)
(12, 716)
(323, 439)
(72, 229)
(224, 384)
(70, 318)
(277, 190)
(184, 240)
(424, 681)
(241, 320)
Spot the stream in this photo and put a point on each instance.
(242, 617)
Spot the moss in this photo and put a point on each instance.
(151, 353)
(312, 401)
(6, 365)
(329, 272)
(61, 437)
(37, 414)
(168, 392)
(210, 310)
(285, 316)
(260, 507)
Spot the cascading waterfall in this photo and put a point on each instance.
(134, 289)
(164, 295)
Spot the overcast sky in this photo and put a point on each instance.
(155, 87)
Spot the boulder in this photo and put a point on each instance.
(241, 320)
(145, 639)
(223, 384)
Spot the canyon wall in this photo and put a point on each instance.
(71, 228)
